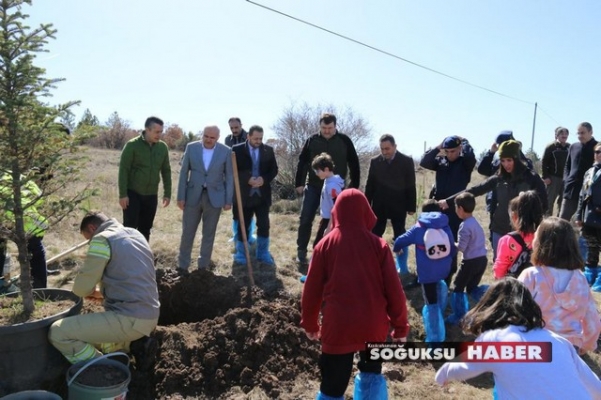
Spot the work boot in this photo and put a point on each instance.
(145, 352)
(369, 385)
(263, 254)
(7, 287)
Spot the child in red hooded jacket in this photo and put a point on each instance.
(352, 281)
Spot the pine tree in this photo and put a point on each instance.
(34, 147)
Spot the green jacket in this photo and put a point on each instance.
(141, 165)
(35, 224)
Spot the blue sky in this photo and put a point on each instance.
(199, 62)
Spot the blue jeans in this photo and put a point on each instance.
(311, 199)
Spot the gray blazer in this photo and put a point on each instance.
(218, 179)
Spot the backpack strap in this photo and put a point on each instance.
(518, 238)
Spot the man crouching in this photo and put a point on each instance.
(120, 262)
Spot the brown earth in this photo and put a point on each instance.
(218, 337)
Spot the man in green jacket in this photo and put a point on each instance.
(144, 160)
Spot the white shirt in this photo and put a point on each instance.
(566, 377)
(207, 156)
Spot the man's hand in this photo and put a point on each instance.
(124, 202)
(299, 190)
(227, 207)
(400, 340)
(259, 181)
(547, 181)
(494, 147)
(96, 295)
(181, 204)
(443, 204)
(578, 223)
(166, 201)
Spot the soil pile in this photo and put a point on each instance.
(243, 338)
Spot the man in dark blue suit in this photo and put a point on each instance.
(257, 167)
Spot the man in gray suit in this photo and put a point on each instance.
(206, 185)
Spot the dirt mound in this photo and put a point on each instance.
(243, 339)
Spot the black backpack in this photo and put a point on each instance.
(523, 259)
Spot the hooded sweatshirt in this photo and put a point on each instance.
(428, 270)
(566, 302)
(352, 280)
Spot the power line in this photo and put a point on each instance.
(390, 54)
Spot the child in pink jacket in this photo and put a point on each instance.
(559, 287)
(514, 249)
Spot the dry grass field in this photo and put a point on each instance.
(410, 381)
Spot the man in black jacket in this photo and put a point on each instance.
(391, 192)
(580, 158)
(340, 147)
(554, 162)
(238, 134)
(257, 167)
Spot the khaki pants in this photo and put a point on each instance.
(83, 337)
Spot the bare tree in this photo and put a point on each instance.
(301, 120)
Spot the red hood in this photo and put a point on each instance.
(352, 210)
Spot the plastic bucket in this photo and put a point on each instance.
(32, 395)
(79, 391)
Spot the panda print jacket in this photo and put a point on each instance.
(433, 259)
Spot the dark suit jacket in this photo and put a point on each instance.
(268, 170)
(390, 188)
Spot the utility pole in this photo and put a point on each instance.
(533, 127)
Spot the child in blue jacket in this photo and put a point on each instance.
(434, 252)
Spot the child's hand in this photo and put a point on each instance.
(314, 335)
(400, 252)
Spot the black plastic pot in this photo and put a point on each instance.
(27, 359)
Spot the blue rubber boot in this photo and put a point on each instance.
(401, 262)
(591, 274)
(597, 284)
(442, 295)
(240, 254)
(263, 254)
(370, 386)
(433, 323)
(478, 292)
(459, 306)
(321, 396)
(583, 247)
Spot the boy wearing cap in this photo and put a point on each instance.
(554, 161)
(453, 161)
